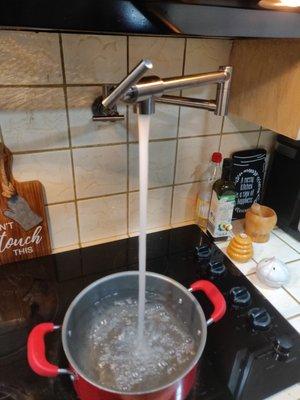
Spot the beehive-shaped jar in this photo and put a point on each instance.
(240, 248)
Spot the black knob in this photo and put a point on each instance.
(203, 252)
(216, 268)
(259, 319)
(282, 347)
(240, 296)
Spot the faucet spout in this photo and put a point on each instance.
(125, 85)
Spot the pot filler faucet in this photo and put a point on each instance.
(144, 92)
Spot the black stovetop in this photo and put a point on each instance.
(239, 361)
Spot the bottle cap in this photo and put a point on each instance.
(216, 157)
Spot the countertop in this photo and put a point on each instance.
(287, 298)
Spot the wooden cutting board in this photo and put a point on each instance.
(23, 222)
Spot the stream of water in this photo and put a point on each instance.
(144, 127)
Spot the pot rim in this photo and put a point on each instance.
(120, 274)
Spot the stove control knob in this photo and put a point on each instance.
(240, 296)
(216, 268)
(203, 252)
(259, 319)
(282, 347)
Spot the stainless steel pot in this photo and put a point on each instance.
(174, 295)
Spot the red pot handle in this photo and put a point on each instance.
(214, 295)
(36, 352)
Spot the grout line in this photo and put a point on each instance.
(102, 33)
(68, 148)
(101, 196)
(198, 136)
(87, 146)
(70, 137)
(119, 193)
(284, 241)
(293, 317)
(54, 85)
(99, 145)
(57, 203)
(293, 297)
(177, 138)
(221, 134)
(258, 140)
(40, 151)
(155, 140)
(291, 262)
(186, 183)
(241, 132)
(86, 198)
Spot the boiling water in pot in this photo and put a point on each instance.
(110, 344)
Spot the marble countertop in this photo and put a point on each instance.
(287, 298)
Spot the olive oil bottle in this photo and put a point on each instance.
(222, 203)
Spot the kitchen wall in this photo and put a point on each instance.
(89, 170)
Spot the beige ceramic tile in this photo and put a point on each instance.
(293, 287)
(274, 247)
(100, 170)
(159, 208)
(84, 131)
(161, 164)
(66, 248)
(198, 122)
(233, 123)
(166, 54)
(295, 244)
(206, 55)
(163, 123)
(95, 58)
(104, 240)
(152, 230)
(238, 141)
(102, 218)
(203, 55)
(184, 223)
(279, 298)
(295, 322)
(291, 393)
(267, 140)
(184, 203)
(193, 157)
(62, 225)
(195, 122)
(53, 169)
(29, 58)
(33, 118)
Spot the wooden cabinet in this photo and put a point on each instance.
(266, 83)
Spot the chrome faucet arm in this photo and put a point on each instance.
(143, 92)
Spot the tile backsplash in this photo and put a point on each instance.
(89, 170)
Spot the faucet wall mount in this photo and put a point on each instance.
(144, 92)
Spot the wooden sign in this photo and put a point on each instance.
(23, 223)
